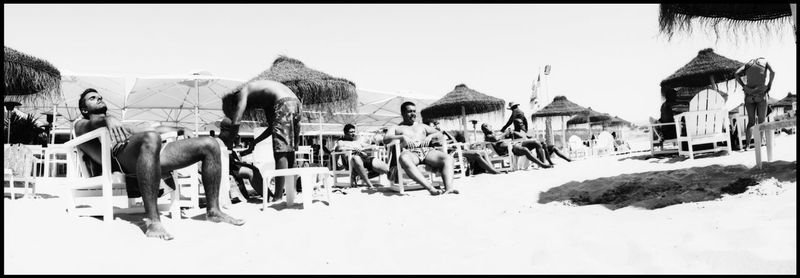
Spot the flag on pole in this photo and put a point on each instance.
(535, 87)
(547, 70)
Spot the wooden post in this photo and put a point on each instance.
(464, 123)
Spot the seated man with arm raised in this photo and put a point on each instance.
(364, 165)
(141, 152)
(415, 137)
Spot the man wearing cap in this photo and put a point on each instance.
(516, 113)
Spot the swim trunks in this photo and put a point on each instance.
(286, 125)
(131, 181)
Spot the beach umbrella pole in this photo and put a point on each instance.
(321, 150)
(464, 122)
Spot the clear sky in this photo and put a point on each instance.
(609, 57)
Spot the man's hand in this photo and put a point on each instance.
(117, 131)
(410, 142)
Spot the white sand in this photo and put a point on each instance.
(494, 226)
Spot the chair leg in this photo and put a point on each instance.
(290, 189)
(307, 181)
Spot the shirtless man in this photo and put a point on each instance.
(282, 109)
(500, 146)
(539, 148)
(141, 152)
(414, 137)
(364, 165)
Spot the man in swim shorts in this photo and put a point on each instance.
(364, 165)
(141, 152)
(415, 138)
(282, 109)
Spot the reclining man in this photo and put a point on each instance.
(475, 157)
(500, 147)
(141, 152)
(416, 138)
(545, 150)
(282, 109)
(364, 165)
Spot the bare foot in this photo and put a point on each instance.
(451, 191)
(217, 217)
(156, 230)
(435, 192)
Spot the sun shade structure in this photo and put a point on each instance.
(787, 101)
(591, 116)
(30, 80)
(705, 69)
(175, 97)
(452, 109)
(317, 90)
(559, 107)
(617, 121)
(740, 19)
(474, 102)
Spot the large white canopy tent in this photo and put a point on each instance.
(167, 98)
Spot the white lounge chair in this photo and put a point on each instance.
(706, 122)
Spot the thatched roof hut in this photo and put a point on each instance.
(29, 79)
(317, 90)
(559, 107)
(591, 115)
(617, 121)
(738, 18)
(474, 102)
(787, 101)
(699, 71)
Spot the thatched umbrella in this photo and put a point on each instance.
(560, 107)
(317, 90)
(29, 79)
(708, 68)
(590, 116)
(787, 102)
(462, 101)
(735, 18)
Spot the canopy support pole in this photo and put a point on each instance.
(464, 123)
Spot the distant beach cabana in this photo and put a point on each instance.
(739, 18)
(452, 110)
(30, 80)
(590, 116)
(317, 90)
(789, 103)
(707, 68)
(556, 113)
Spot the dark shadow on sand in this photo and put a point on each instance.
(672, 158)
(658, 189)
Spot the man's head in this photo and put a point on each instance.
(486, 128)
(409, 112)
(669, 94)
(349, 132)
(518, 124)
(91, 102)
(512, 105)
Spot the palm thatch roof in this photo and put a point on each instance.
(740, 19)
(591, 116)
(787, 101)
(559, 107)
(29, 79)
(474, 102)
(317, 90)
(617, 121)
(698, 71)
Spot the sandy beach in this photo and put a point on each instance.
(495, 226)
